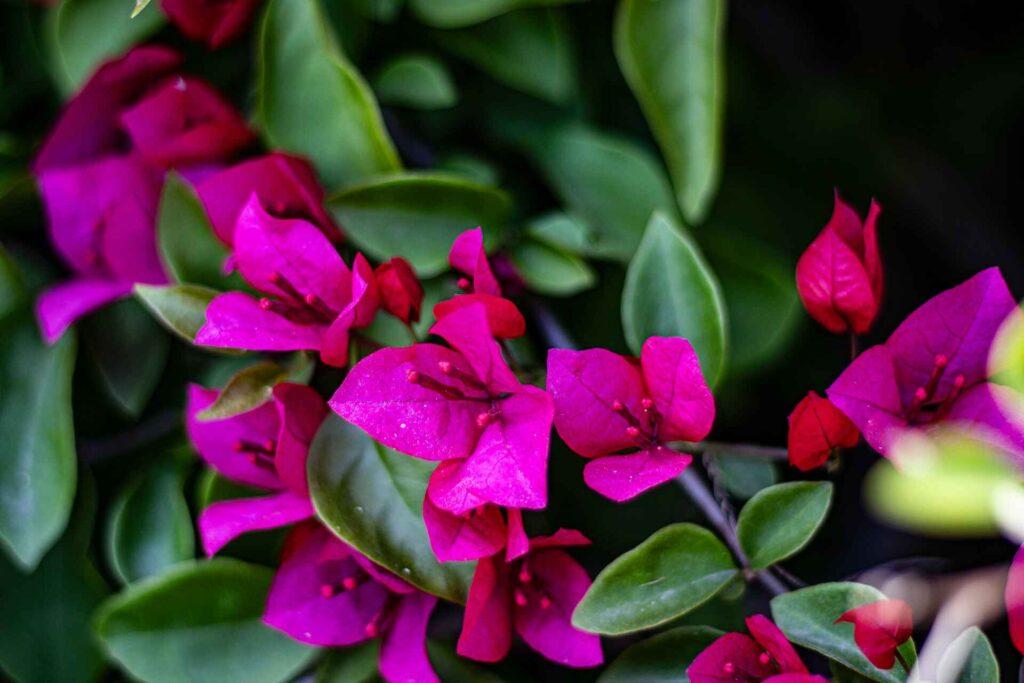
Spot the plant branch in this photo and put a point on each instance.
(742, 450)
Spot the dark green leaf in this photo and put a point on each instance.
(470, 167)
(418, 216)
(674, 571)
(38, 465)
(453, 13)
(313, 102)
(129, 352)
(179, 308)
(671, 292)
(149, 528)
(199, 622)
(560, 230)
(451, 668)
(807, 617)
(12, 285)
(549, 270)
(781, 520)
(672, 54)
(662, 658)
(190, 249)
(527, 50)
(372, 497)
(743, 476)
(379, 10)
(969, 659)
(417, 81)
(247, 389)
(357, 664)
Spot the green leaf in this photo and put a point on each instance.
(384, 11)
(743, 476)
(470, 167)
(199, 622)
(372, 498)
(781, 520)
(356, 664)
(139, 6)
(454, 13)
(807, 617)
(677, 569)
(149, 528)
(551, 271)
(12, 285)
(247, 389)
(188, 245)
(1006, 357)
(417, 81)
(417, 216)
(560, 230)
(179, 308)
(86, 33)
(313, 102)
(969, 659)
(672, 54)
(671, 292)
(611, 184)
(527, 50)
(452, 668)
(38, 466)
(662, 658)
(128, 351)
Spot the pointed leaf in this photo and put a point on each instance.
(550, 270)
(782, 519)
(416, 81)
(179, 308)
(969, 659)
(248, 388)
(662, 658)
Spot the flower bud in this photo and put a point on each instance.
(816, 427)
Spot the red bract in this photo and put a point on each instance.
(816, 428)
(1015, 600)
(215, 22)
(736, 657)
(401, 294)
(535, 596)
(606, 404)
(879, 628)
(839, 276)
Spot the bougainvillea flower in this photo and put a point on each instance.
(879, 628)
(933, 369)
(184, 122)
(475, 533)
(327, 594)
(90, 126)
(215, 22)
(401, 293)
(535, 596)
(1015, 600)
(768, 656)
(839, 276)
(622, 411)
(461, 405)
(312, 299)
(468, 257)
(101, 221)
(816, 429)
(265, 447)
(285, 185)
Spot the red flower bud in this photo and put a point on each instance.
(401, 294)
(815, 428)
(215, 22)
(879, 628)
(839, 276)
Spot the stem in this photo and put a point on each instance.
(744, 450)
(903, 661)
(550, 328)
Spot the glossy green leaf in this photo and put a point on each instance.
(86, 33)
(199, 622)
(312, 101)
(677, 569)
(38, 465)
(671, 292)
(149, 528)
(743, 476)
(673, 56)
(528, 50)
(128, 350)
(372, 498)
(247, 389)
(560, 230)
(969, 659)
(417, 216)
(610, 183)
(550, 270)
(807, 617)
(179, 308)
(188, 245)
(662, 658)
(356, 664)
(782, 519)
(454, 13)
(416, 81)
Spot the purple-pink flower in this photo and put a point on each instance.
(327, 594)
(479, 532)
(265, 447)
(622, 412)
(534, 596)
(312, 300)
(934, 368)
(766, 657)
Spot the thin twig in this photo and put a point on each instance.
(154, 428)
(556, 336)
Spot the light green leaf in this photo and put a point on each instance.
(969, 659)
(677, 569)
(179, 308)
(782, 519)
(199, 622)
(671, 292)
(417, 81)
(470, 167)
(807, 617)
(560, 230)
(673, 57)
(528, 50)
(551, 271)
(139, 6)
(372, 498)
(1006, 357)
(247, 389)
(417, 216)
(312, 101)
(662, 658)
